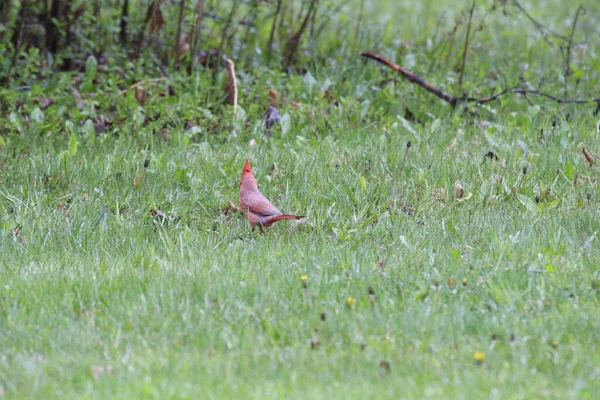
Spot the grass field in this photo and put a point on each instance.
(390, 288)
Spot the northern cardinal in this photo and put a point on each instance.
(255, 206)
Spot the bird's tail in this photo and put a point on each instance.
(285, 216)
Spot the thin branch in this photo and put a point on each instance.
(178, 34)
(272, 34)
(224, 36)
(289, 52)
(251, 19)
(568, 51)
(537, 24)
(18, 42)
(195, 34)
(359, 22)
(123, 22)
(5, 8)
(153, 80)
(453, 100)
(464, 56)
(411, 77)
(483, 100)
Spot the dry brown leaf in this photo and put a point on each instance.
(231, 208)
(410, 116)
(438, 194)
(385, 365)
(45, 102)
(98, 371)
(139, 179)
(63, 206)
(588, 156)
(101, 123)
(209, 58)
(79, 102)
(164, 217)
(459, 191)
(183, 45)
(156, 17)
(140, 95)
(274, 97)
(315, 343)
(451, 282)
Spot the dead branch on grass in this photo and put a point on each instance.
(454, 100)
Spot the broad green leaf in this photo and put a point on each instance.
(528, 203)
(408, 126)
(435, 125)
(88, 128)
(37, 115)
(364, 108)
(363, 182)
(91, 68)
(569, 171)
(69, 127)
(63, 155)
(455, 254)
(72, 144)
(286, 124)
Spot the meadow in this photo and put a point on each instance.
(447, 252)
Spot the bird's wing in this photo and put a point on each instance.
(258, 204)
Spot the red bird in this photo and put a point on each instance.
(255, 206)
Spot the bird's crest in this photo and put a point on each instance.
(247, 168)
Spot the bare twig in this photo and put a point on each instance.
(545, 31)
(568, 51)
(453, 100)
(272, 34)
(123, 22)
(140, 83)
(226, 27)
(140, 39)
(195, 34)
(18, 42)
(359, 22)
(178, 34)
(289, 53)
(98, 20)
(5, 8)
(464, 56)
(411, 77)
(483, 100)
(251, 21)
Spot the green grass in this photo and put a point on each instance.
(101, 299)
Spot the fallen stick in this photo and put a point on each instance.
(453, 100)
(153, 80)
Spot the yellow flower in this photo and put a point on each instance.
(350, 301)
(304, 277)
(479, 356)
